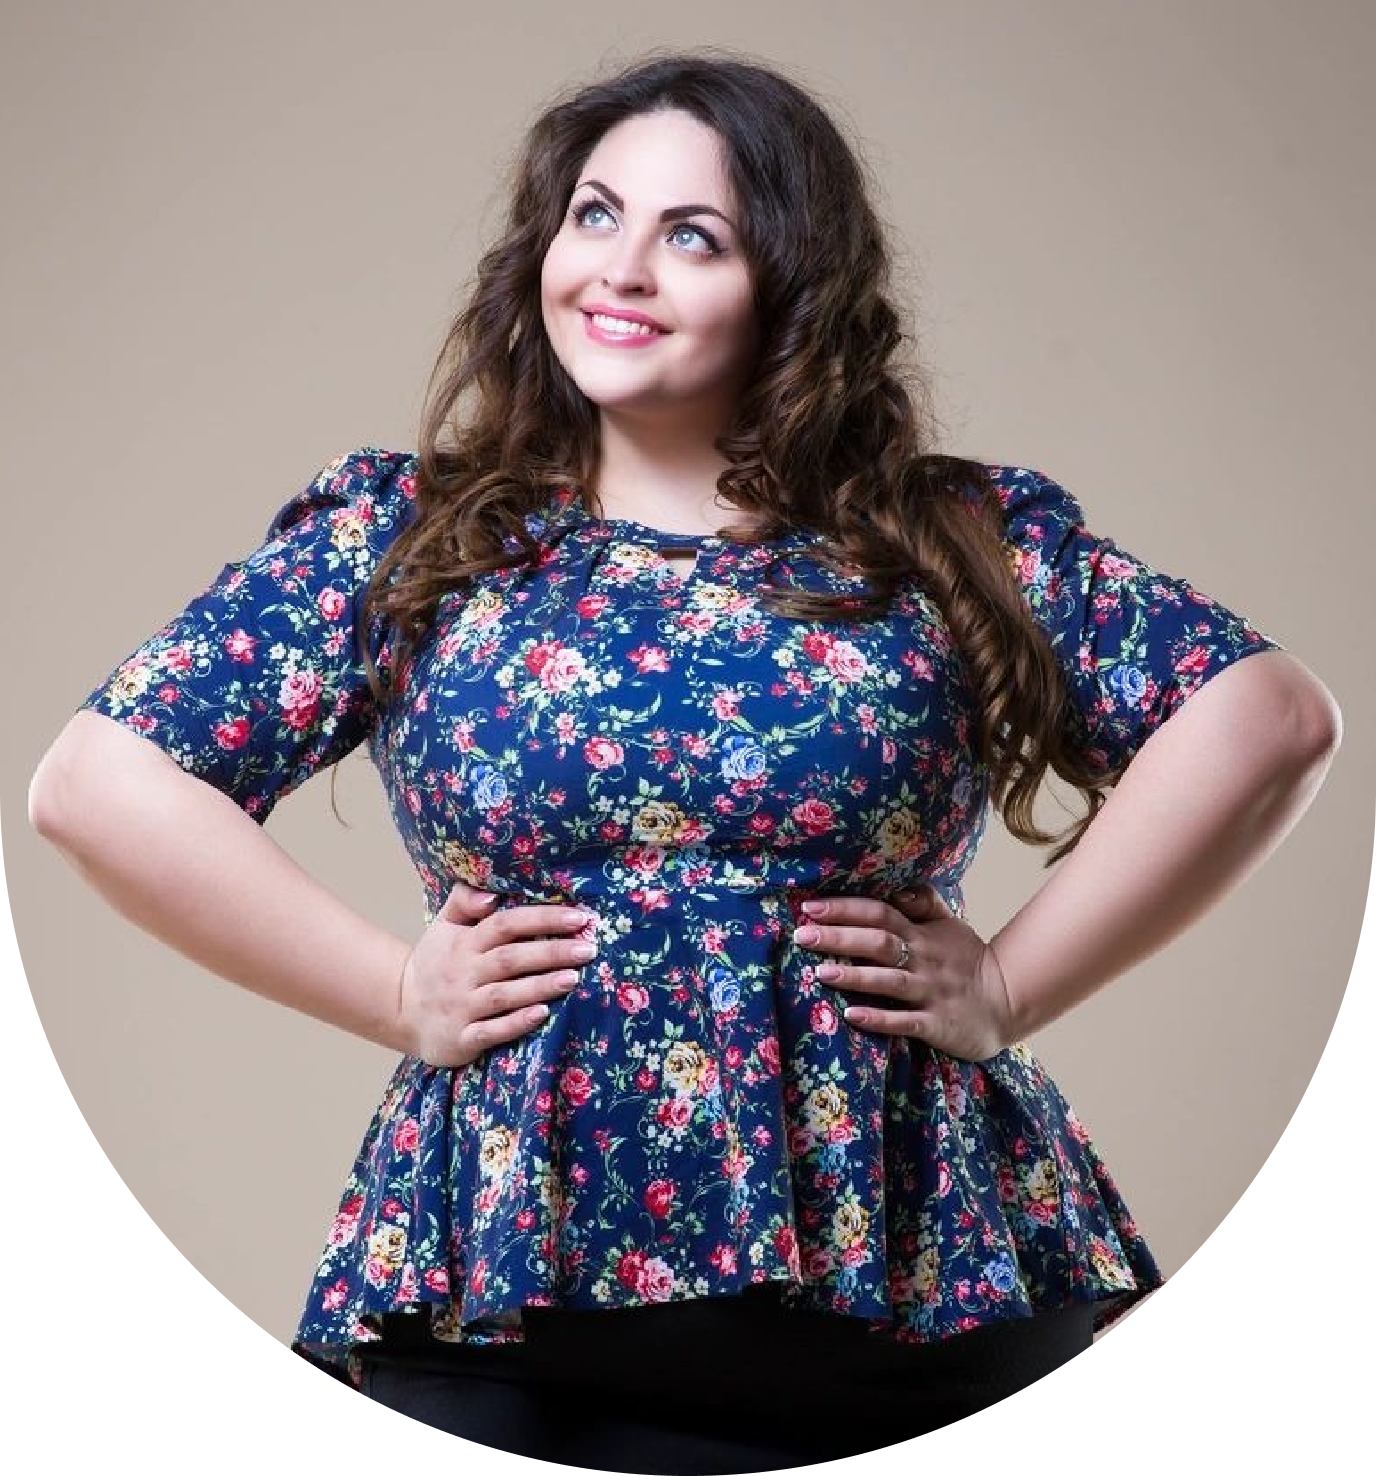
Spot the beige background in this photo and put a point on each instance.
(1134, 242)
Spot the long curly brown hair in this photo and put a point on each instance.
(837, 432)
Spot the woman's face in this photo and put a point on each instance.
(615, 252)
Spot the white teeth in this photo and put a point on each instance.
(621, 325)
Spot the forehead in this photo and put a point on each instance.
(666, 158)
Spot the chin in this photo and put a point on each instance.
(613, 394)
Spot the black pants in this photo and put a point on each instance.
(731, 1384)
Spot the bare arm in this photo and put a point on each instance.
(185, 863)
(1209, 796)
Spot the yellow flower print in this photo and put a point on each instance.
(131, 681)
(658, 823)
(496, 1152)
(633, 556)
(824, 1107)
(386, 1249)
(850, 1224)
(1042, 1182)
(348, 531)
(1107, 1265)
(714, 597)
(461, 863)
(900, 836)
(482, 607)
(683, 1063)
(928, 1264)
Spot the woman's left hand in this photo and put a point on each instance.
(950, 986)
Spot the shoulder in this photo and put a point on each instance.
(363, 494)
(1035, 506)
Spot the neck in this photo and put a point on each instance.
(662, 477)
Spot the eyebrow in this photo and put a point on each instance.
(674, 212)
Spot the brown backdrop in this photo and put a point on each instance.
(1136, 244)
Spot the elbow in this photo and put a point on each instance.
(45, 801)
(1280, 709)
(1316, 723)
(1276, 716)
(78, 769)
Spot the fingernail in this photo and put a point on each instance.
(807, 935)
(485, 897)
(815, 908)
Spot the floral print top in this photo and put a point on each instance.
(613, 728)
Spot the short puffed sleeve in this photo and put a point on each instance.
(1134, 642)
(259, 682)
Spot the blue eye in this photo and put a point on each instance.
(580, 214)
(712, 247)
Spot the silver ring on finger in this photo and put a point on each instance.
(901, 962)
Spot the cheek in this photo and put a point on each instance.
(554, 298)
(555, 276)
(733, 318)
(737, 330)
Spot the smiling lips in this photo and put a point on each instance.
(627, 332)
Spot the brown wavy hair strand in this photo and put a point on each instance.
(837, 432)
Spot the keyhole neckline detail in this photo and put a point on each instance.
(567, 506)
(660, 536)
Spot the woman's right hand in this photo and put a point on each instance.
(477, 978)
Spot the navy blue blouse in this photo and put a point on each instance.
(609, 728)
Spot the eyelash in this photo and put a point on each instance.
(579, 212)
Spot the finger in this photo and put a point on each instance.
(536, 919)
(482, 1035)
(508, 995)
(917, 903)
(912, 906)
(900, 987)
(572, 945)
(512, 961)
(466, 903)
(857, 911)
(874, 943)
(916, 1024)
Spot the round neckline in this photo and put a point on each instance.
(659, 535)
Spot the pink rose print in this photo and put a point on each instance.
(331, 603)
(1193, 662)
(575, 1086)
(602, 753)
(562, 669)
(632, 998)
(648, 659)
(231, 734)
(178, 660)
(659, 1197)
(241, 647)
(846, 662)
(299, 697)
(815, 816)
(1113, 566)
(656, 1281)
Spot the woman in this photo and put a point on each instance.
(691, 671)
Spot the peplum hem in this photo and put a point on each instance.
(928, 1196)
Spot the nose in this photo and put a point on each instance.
(626, 267)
